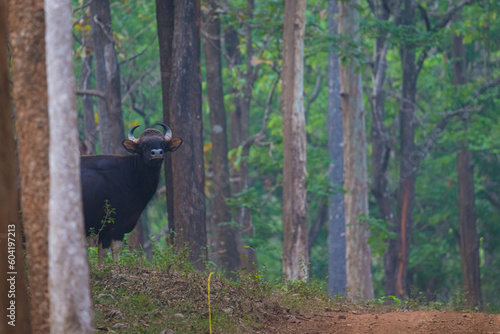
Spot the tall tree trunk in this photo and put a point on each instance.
(469, 241)
(381, 147)
(14, 303)
(359, 276)
(295, 250)
(107, 78)
(184, 116)
(225, 247)
(243, 215)
(165, 26)
(27, 35)
(409, 156)
(336, 211)
(69, 278)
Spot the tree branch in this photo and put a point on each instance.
(85, 5)
(315, 93)
(449, 15)
(139, 54)
(138, 81)
(249, 142)
(93, 92)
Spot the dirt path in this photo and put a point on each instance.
(388, 323)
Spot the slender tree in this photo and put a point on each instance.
(239, 117)
(14, 306)
(107, 73)
(358, 254)
(69, 278)
(380, 139)
(336, 212)
(295, 250)
(469, 240)
(179, 38)
(27, 37)
(225, 247)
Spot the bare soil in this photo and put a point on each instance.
(387, 323)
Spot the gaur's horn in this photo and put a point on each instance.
(168, 132)
(131, 134)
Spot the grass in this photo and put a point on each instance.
(166, 294)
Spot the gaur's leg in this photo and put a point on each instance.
(116, 246)
(101, 255)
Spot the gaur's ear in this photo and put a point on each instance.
(130, 146)
(174, 144)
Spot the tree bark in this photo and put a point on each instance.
(225, 247)
(27, 36)
(69, 278)
(295, 250)
(165, 26)
(336, 211)
(14, 303)
(359, 277)
(90, 131)
(107, 78)
(184, 116)
(469, 240)
(381, 146)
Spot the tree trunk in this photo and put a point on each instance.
(136, 237)
(295, 250)
(27, 36)
(184, 116)
(381, 147)
(243, 215)
(165, 26)
(14, 303)
(336, 211)
(107, 78)
(69, 279)
(359, 276)
(225, 247)
(410, 158)
(90, 130)
(469, 241)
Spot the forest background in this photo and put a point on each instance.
(450, 116)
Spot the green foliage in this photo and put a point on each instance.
(434, 259)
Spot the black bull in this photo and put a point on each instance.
(126, 183)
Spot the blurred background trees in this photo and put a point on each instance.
(418, 118)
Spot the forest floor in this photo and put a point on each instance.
(168, 299)
(387, 323)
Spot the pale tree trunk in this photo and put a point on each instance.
(295, 250)
(225, 247)
(107, 78)
(358, 254)
(14, 306)
(336, 212)
(180, 35)
(27, 36)
(69, 281)
(469, 241)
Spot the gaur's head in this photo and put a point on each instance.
(152, 144)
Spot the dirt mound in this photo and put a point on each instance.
(387, 323)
